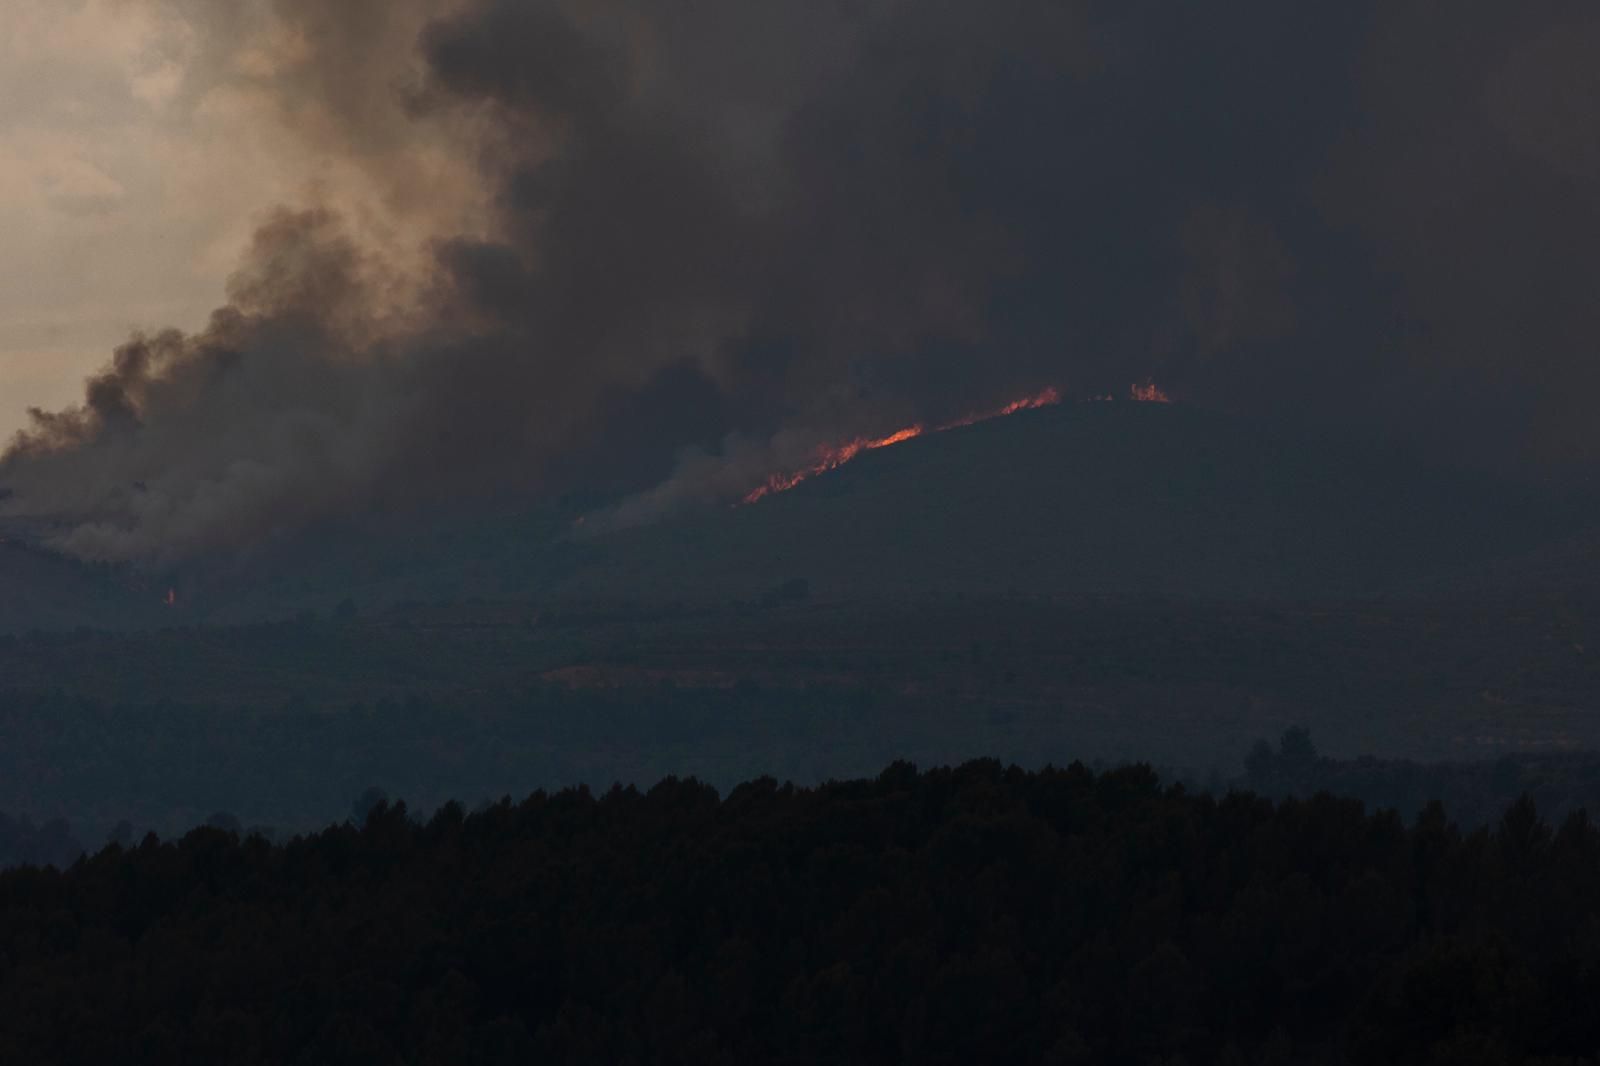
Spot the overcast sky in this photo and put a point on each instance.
(128, 184)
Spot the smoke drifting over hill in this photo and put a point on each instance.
(590, 247)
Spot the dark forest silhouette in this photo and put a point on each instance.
(966, 915)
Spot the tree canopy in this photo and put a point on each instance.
(962, 915)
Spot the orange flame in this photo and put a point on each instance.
(171, 598)
(1048, 398)
(1149, 392)
(832, 456)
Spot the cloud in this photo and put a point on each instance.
(78, 187)
(558, 247)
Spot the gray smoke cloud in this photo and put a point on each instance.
(655, 249)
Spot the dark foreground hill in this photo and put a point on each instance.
(974, 915)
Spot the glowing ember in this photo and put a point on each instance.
(1048, 398)
(171, 598)
(831, 457)
(1149, 392)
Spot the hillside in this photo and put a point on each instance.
(1120, 500)
(1116, 500)
(42, 590)
(1117, 581)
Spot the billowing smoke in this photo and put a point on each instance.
(645, 251)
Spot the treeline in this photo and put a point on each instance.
(167, 766)
(170, 766)
(1475, 793)
(980, 914)
(22, 843)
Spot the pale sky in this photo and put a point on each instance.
(138, 149)
(99, 231)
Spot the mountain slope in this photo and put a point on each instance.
(42, 590)
(1120, 500)
(1096, 499)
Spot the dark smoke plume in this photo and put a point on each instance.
(700, 237)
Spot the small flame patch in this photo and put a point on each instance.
(1149, 392)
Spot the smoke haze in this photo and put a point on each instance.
(651, 252)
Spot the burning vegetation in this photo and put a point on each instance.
(833, 456)
(1149, 392)
(829, 457)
